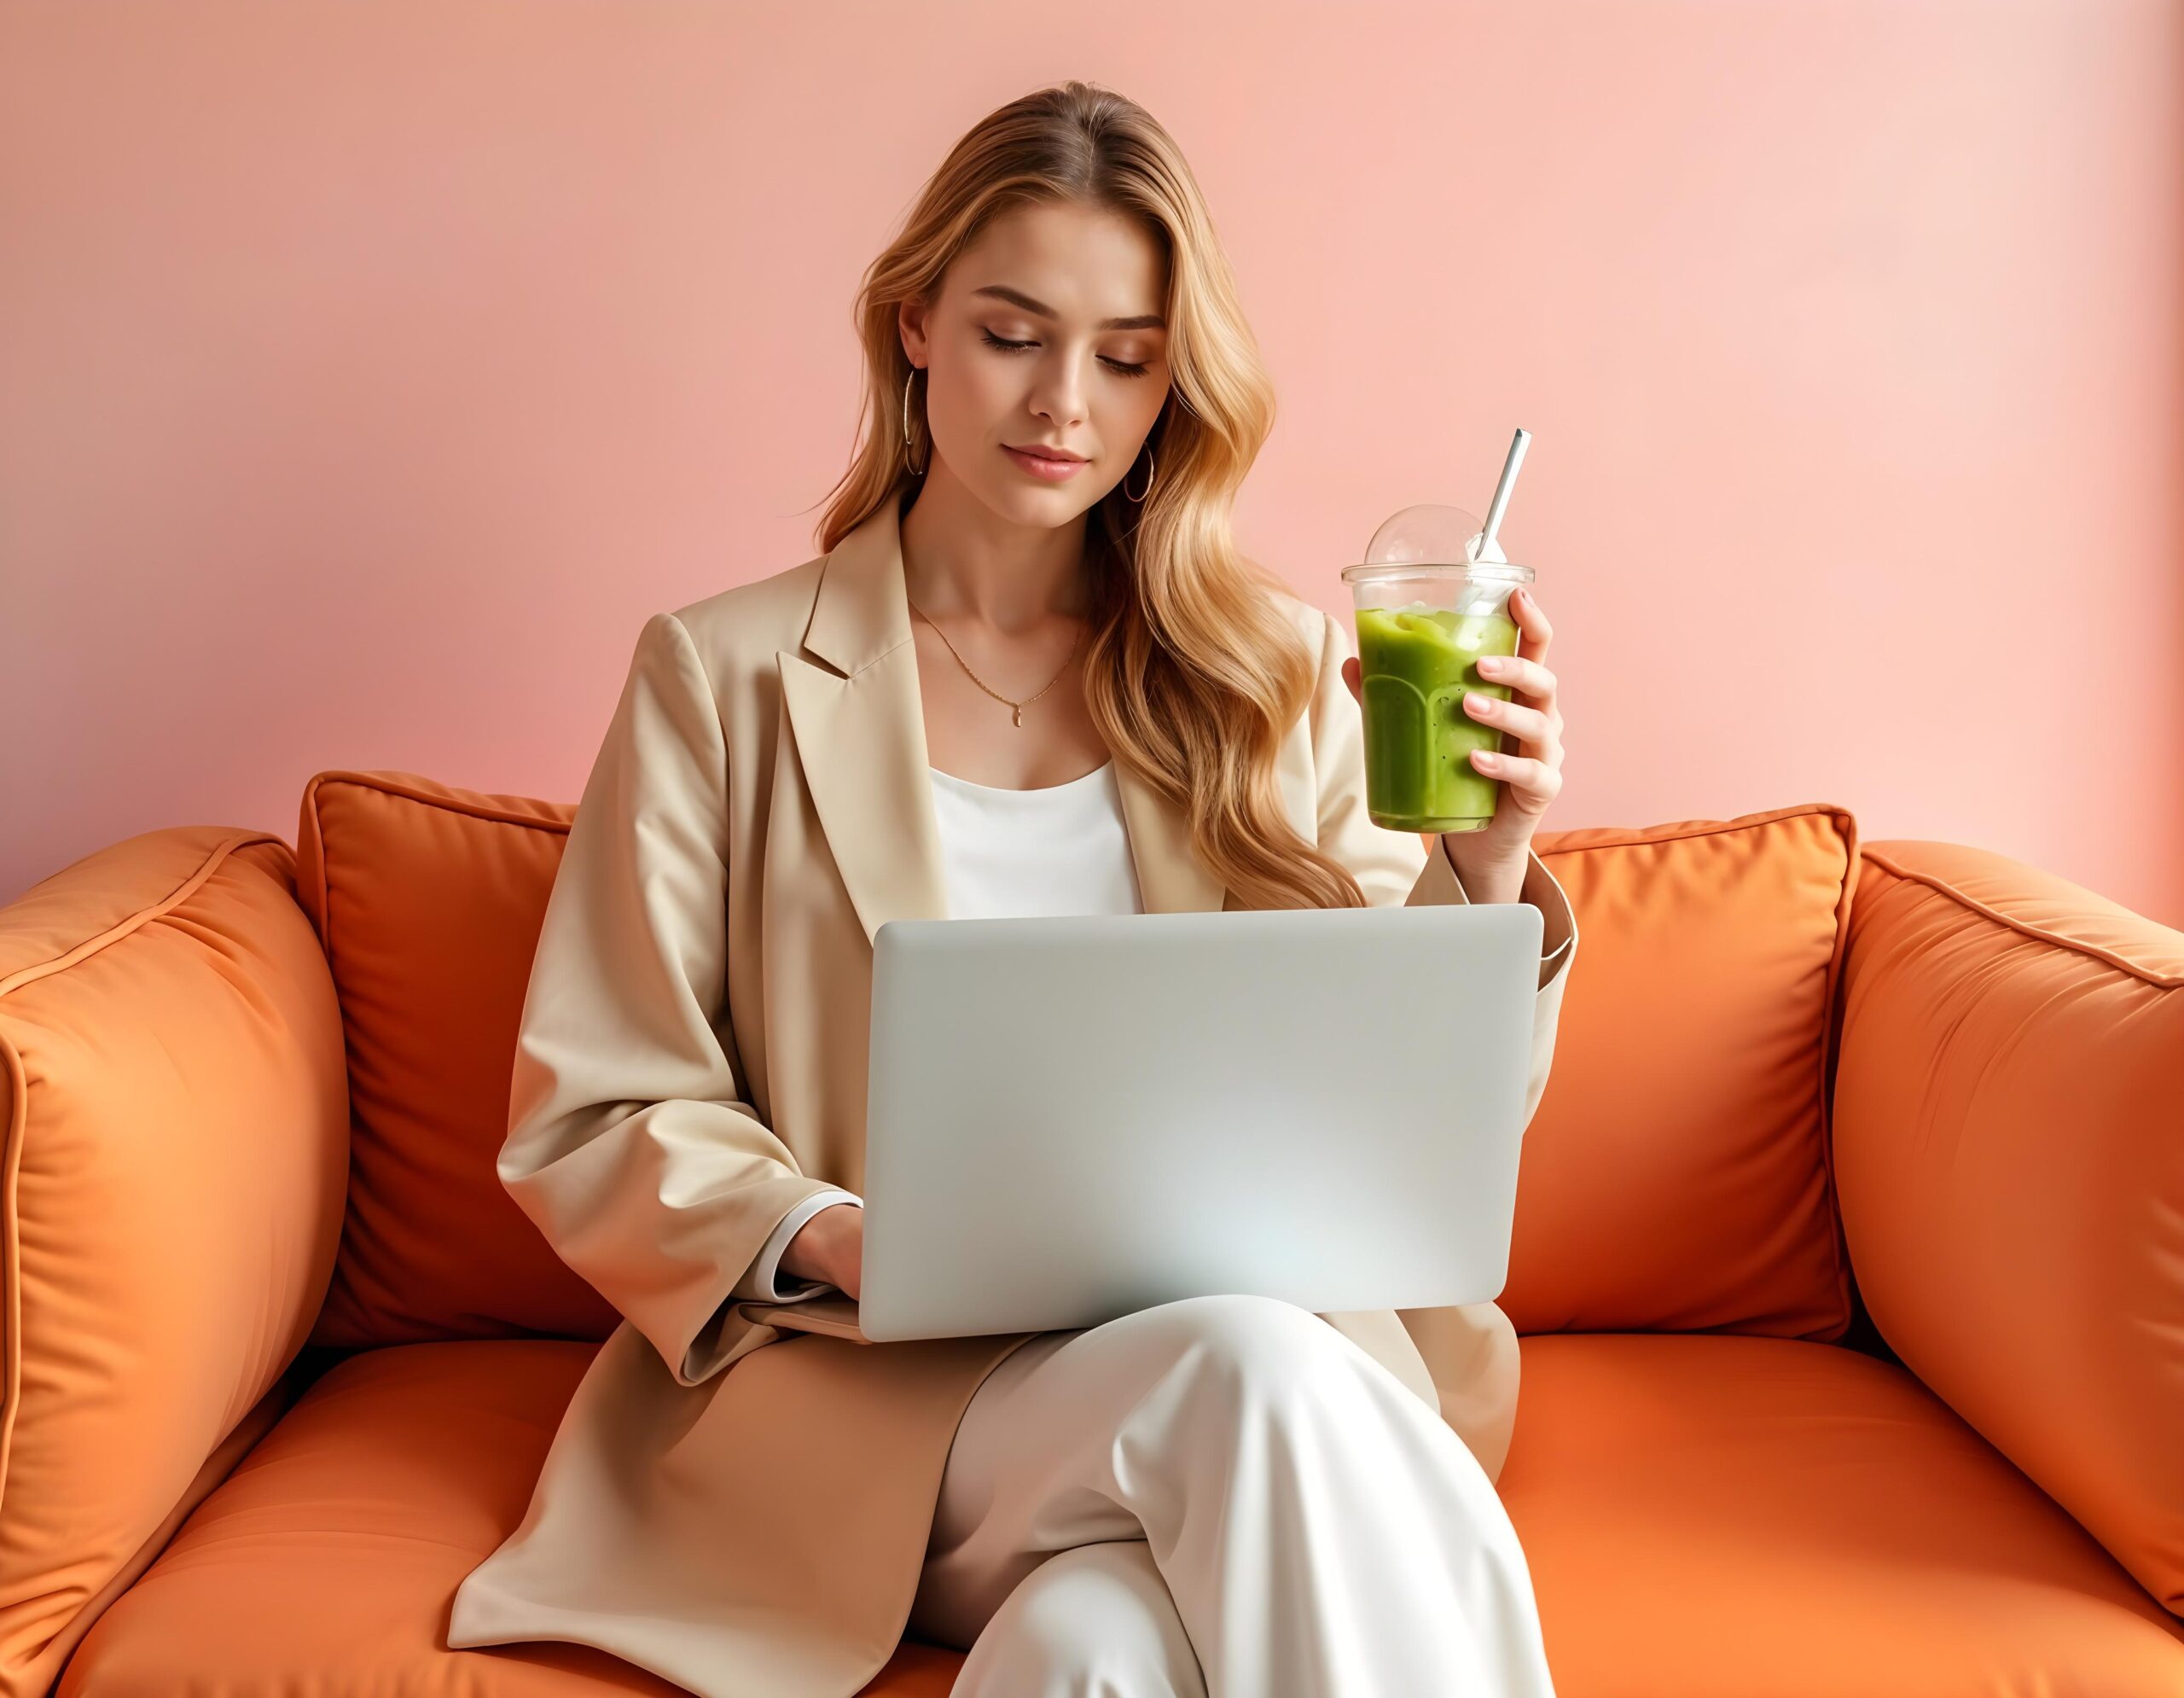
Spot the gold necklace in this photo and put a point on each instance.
(1016, 707)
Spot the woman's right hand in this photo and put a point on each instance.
(830, 1246)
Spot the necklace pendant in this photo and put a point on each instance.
(1017, 714)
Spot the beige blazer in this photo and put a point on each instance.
(738, 1495)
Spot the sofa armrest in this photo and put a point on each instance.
(2008, 1102)
(174, 1095)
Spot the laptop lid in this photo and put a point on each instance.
(1075, 1116)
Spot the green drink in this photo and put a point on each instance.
(1433, 597)
(1415, 665)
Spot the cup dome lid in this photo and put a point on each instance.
(1433, 533)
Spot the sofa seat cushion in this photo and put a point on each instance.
(328, 1561)
(1717, 1514)
(1702, 1515)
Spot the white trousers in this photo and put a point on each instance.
(1221, 1498)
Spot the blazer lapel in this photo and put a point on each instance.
(854, 710)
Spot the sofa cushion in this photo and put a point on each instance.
(1712, 1517)
(428, 901)
(1676, 1176)
(2009, 1106)
(1701, 1517)
(172, 1098)
(327, 1563)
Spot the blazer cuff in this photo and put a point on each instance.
(769, 1284)
(1558, 929)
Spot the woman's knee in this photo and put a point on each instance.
(1092, 1621)
(1261, 1344)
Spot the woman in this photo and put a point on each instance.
(1006, 686)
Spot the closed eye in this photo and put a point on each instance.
(1123, 367)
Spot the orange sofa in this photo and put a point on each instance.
(1849, 1265)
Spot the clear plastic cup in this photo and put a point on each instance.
(1422, 624)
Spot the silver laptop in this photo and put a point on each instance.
(1071, 1118)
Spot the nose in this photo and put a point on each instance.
(1058, 390)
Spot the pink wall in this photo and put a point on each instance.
(368, 375)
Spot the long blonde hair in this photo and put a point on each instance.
(1192, 671)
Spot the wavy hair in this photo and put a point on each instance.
(1192, 671)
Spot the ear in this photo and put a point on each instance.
(910, 320)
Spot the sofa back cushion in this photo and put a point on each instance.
(1675, 1176)
(2008, 1110)
(428, 899)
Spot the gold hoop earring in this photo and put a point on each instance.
(1149, 467)
(907, 381)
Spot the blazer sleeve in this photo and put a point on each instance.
(630, 1143)
(1395, 867)
(766, 1281)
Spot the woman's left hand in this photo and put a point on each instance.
(1532, 775)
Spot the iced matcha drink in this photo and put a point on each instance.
(1433, 597)
(1415, 664)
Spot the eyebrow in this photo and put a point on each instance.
(1143, 320)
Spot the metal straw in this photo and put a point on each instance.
(1501, 489)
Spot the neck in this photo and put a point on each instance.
(961, 558)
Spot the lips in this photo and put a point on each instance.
(1046, 470)
(1062, 456)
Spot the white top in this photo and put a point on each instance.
(1060, 849)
